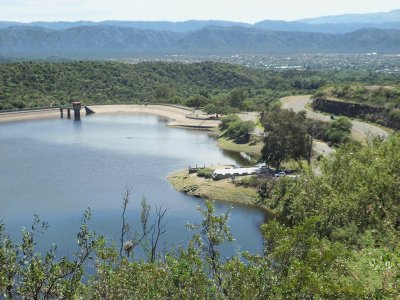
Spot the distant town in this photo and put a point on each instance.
(374, 62)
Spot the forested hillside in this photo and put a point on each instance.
(42, 84)
(113, 42)
(28, 84)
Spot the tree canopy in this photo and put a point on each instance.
(286, 137)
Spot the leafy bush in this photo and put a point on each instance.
(286, 137)
(336, 136)
(359, 186)
(342, 123)
(197, 101)
(205, 172)
(227, 120)
(339, 131)
(240, 131)
(316, 128)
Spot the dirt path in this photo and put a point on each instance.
(360, 131)
(322, 148)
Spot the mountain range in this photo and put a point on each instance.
(122, 39)
(112, 41)
(327, 24)
(371, 18)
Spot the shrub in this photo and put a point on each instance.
(336, 136)
(249, 181)
(240, 131)
(205, 172)
(227, 120)
(342, 123)
(339, 131)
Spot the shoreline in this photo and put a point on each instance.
(221, 190)
(176, 114)
(29, 115)
(208, 189)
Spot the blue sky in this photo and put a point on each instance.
(177, 10)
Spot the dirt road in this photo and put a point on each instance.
(361, 130)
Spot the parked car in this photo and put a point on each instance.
(280, 174)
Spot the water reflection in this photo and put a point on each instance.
(243, 159)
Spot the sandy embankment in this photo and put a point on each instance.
(177, 115)
(29, 115)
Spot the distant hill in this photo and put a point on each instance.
(86, 40)
(323, 28)
(251, 40)
(42, 84)
(111, 41)
(328, 24)
(184, 26)
(370, 40)
(372, 18)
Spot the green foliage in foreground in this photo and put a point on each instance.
(356, 201)
(356, 198)
(336, 237)
(297, 263)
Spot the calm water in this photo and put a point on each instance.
(57, 168)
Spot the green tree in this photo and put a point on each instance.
(285, 137)
(197, 101)
(165, 91)
(27, 274)
(213, 109)
(308, 266)
(356, 194)
(209, 236)
(240, 131)
(227, 120)
(236, 97)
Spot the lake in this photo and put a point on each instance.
(57, 168)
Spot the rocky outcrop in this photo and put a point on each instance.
(375, 114)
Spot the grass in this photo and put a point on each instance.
(219, 190)
(253, 148)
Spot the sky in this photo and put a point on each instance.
(249, 11)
